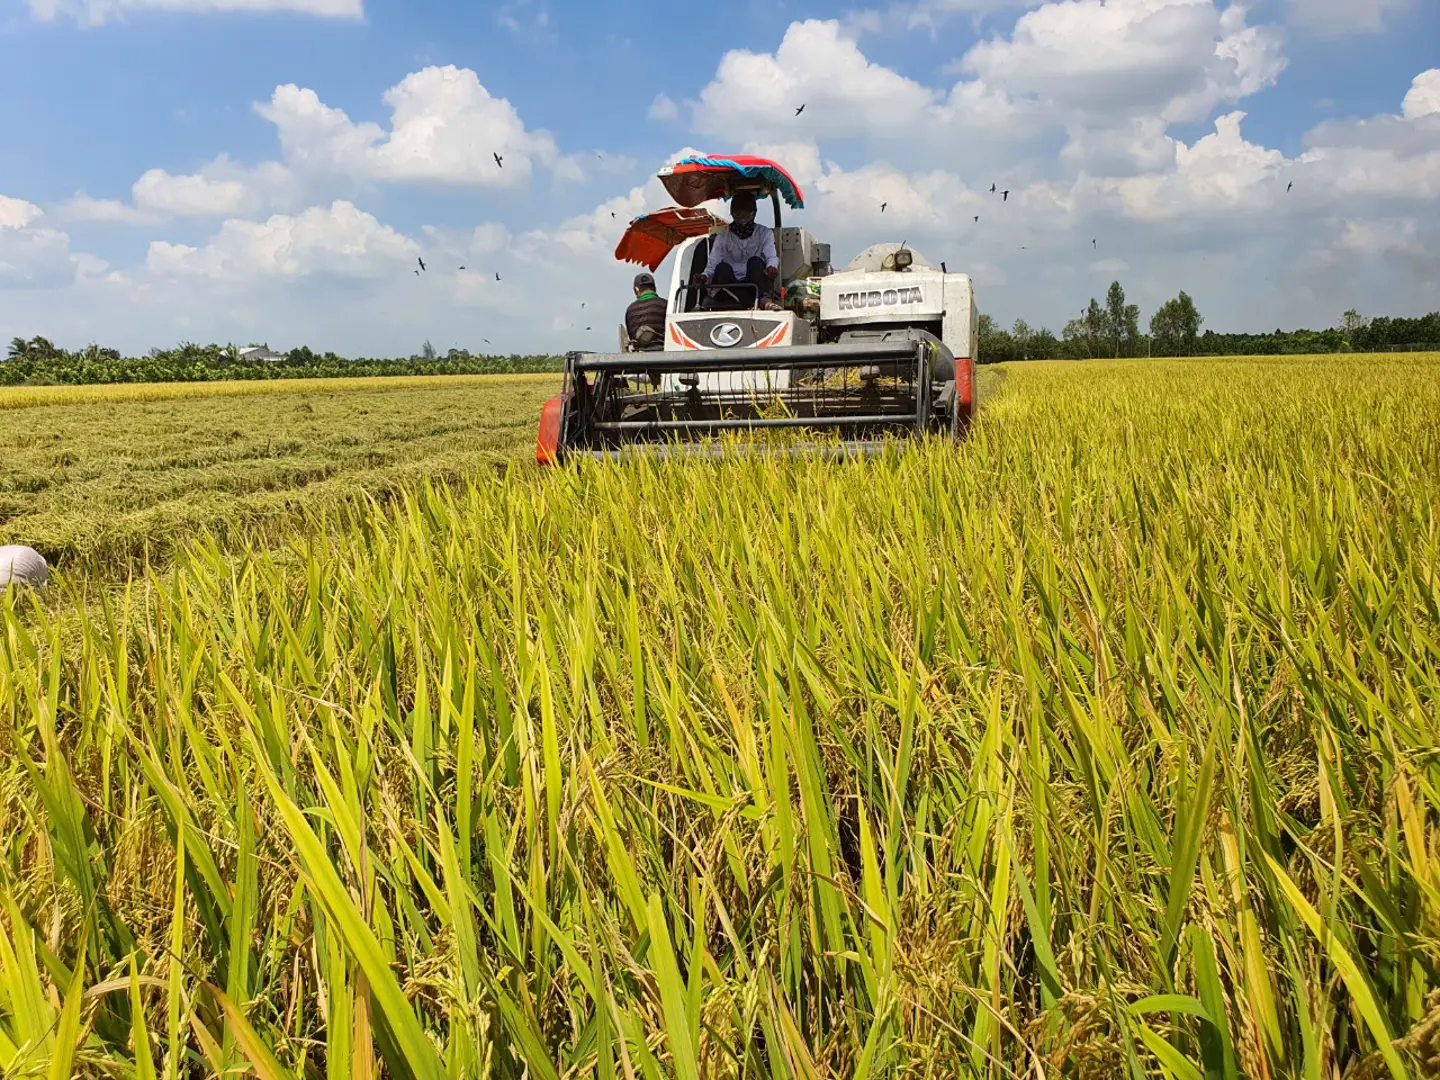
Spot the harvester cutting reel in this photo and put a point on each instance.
(867, 387)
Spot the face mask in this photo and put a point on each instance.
(743, 225)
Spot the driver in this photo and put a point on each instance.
(744, 253)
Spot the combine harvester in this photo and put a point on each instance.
(885, 347)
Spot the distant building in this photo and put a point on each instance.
(261, 352)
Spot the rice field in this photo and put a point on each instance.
(1101, 745)
(99, 478)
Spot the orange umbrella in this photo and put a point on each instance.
(650, 237)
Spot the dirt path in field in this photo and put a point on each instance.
(989, 380)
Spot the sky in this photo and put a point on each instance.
(271, 170)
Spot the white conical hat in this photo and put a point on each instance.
(22, 566)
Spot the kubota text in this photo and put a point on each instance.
(854, 301)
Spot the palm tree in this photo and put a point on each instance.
(41, 349)
(18, 348)
(99, 354)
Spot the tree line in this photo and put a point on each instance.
(39, 362)
(1112, 329)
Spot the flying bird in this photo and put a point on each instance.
(612, 213)
(582, 303)
(587, 328)
(421, 262)
(415, 272)
(497, 275)
(486, 340)
(1292, 184)
(882, 206)
(1095, 243)
(799, 110)
(499, 161)
(462, 268)
(1005, 196)
(992, 189)
(977, 217)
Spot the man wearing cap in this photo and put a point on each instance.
(744, 253)
(645, 317)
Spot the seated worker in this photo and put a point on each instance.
(645, 317)
(744, 253)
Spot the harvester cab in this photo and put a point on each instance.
(886, 346)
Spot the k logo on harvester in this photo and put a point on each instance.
(726, 334)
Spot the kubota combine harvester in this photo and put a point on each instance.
(886, 346)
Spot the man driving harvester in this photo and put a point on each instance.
(743, 254)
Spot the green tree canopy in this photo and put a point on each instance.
(1121, 322)
(1175, 327)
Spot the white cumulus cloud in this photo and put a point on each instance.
(1391, 158)
(1104, 59)
(35, 258)
(16, 213)
(183, 195)
(445, 128)
(1221, 172)
(338, 240)
(222, 188)
(663, 109)
(819, 66)
(1424, 96)
(489, 238)
(34, 255)
(106, 211)
(1112, 74)
(1381, 237)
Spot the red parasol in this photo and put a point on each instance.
(694, 180)
(650, 237)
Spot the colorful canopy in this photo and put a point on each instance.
(650, 237)
(694, 180)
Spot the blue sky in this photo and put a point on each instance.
(270, 169)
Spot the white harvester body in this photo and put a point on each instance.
(885, 346)
(866, 295)
(870, 295)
